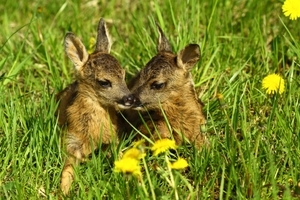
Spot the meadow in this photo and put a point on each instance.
(254, 137)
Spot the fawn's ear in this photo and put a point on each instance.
(75, 50)
(188, 56)
(163, 43)
(103, 43)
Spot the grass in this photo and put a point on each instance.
(255, 143)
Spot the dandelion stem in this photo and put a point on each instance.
(144, 187)
(173, 184)
(127, 188)
(274, 106)
(149, 180)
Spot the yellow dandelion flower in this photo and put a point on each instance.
(220, 96)
(91, 45)
(128, 166)
(181, 163)
(134, 153)
(273, 83)
(291, 8)
(163, 145)
(138, 143)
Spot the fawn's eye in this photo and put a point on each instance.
(157, 86)
(104, 83)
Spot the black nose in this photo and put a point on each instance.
(129, 100)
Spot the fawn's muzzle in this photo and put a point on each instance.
(129, 100)
(137, 104)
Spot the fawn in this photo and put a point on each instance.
(88, 107)
(164, 89)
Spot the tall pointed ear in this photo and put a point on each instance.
(75, 50)
(103, 43)
(188, 56)
(163, 43)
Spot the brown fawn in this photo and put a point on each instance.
(166, 97)
(88, 107)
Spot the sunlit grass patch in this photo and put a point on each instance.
(254, 136)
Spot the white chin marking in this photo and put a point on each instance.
(138, 108)
(127, 104)
(123, 106)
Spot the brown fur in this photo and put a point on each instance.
(165, 85)
(88, 107)
(65, 98)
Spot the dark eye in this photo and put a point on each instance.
(157, 86)
(104, 83)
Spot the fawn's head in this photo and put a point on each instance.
(99, 75)
(166, 76)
